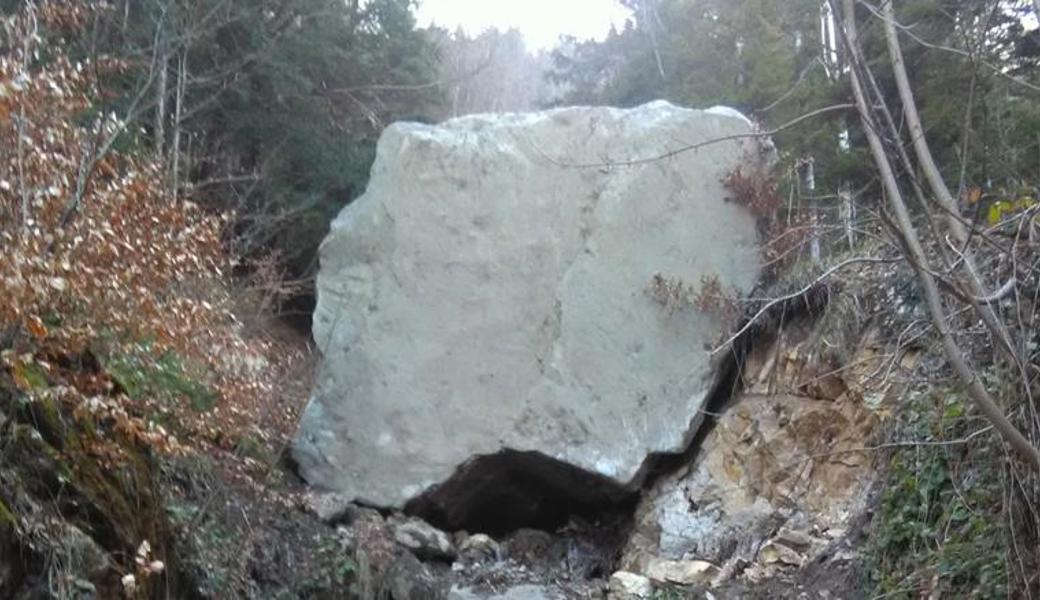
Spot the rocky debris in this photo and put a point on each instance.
(731, 569)
(776, 553)
(806, 556)
(573, 560)
(332, 509)
(520, 592)
(795, 539)
(682, 572)
(479, 548)
(490, 293)
(409, 579)
(779, 474)
(769, 460)
(83, 554)
(422, 539)
(368, 531)
(369, 542)
(530, 546)
(629, 586)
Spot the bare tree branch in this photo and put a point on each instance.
(691, 147)
(873, 9)
(775, 301)
(919, 261)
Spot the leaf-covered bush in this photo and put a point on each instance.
(112, 292)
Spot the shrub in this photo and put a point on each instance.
(112, 292)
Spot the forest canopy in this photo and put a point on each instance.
(272, 109)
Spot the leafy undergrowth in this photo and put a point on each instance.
(954, 514)
(120, 350)
(101, 264)
(942, 528)
(242, 539)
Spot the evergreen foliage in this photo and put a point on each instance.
(273, 107)
(767, 58)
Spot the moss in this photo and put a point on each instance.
(252, 447)
(87, 475)
(8, 521)
(167, 377)
(59, 459)
(115, 501)
(37, 463)
(33, 375)
(45, 416)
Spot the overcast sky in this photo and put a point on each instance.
(541, 21)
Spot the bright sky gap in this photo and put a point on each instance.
(540, 21)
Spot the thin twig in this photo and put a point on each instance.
(793, 295)
(874, 10)
(698, 145)
(906, 444)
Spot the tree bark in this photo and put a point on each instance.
(160, 95)
(809, 185)
(175, 168)
(913, 121)
(651, 20)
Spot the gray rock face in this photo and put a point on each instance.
(493, 289)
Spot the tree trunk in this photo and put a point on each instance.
(182, 74)
(160, 95)
(848, 214)
(651, 20)
(913, 121)
(809, 185)
(126, 17)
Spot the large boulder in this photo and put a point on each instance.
(525, 282)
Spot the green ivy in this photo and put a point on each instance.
(939, 528)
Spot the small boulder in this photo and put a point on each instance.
(529, 546)
(795, 539)
(629, 586)
(368, 530)
(332, 509)
(479, 548)
(774, 552)
(370, 542)
(682, 572)
(423, 540)
(83, 555)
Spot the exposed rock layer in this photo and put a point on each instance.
(779, 478)
(493, 289)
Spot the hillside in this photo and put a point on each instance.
(294, 305)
